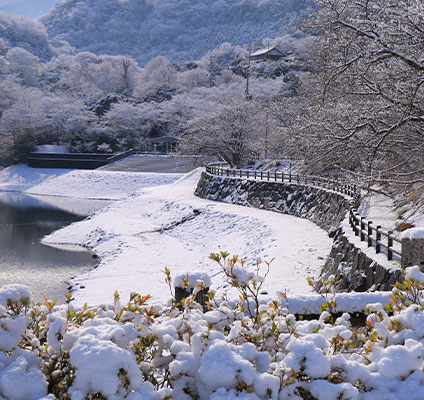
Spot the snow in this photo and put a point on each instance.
(192, 278)
(380, 258)
(306, 354)
(13, 293)
(220, 367)
(167, 226)
(97, 364)
(413, 233)
(208, 358)
(346, 302)
(11, 330)
(378, 208)
(22, 381)
(213, 354)
(87, 184)
(414, 273)
(389, 213)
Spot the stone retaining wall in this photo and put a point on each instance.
(324, 208)
(355, 270)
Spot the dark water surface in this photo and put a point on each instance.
(24, 220)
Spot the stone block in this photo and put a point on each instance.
(412, 252)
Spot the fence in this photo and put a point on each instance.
(368, 232)
(325, 183)
(374, 235)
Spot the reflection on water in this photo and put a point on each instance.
(24, 220)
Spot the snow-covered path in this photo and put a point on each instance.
(137, 237)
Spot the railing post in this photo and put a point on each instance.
(275, 176)
(351, 219)
(356, 225)
(268, 175)
(362, 229)
(389, 245)
(234, 173)
(240, 172)
(282, 176)
(378, 239)
(247, 174)
(255, 174)
(262, 175)
(290, 176)
(369, 233)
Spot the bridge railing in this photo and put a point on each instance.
(384, 242)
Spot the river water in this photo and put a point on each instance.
(24, 220)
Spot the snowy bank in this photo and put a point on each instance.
(96, 184)
(168, 226)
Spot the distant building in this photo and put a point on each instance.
(272, 54)
(162, 144)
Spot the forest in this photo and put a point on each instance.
(346, 98)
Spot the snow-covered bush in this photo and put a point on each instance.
(237, 348)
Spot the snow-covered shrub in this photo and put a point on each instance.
(238, 348)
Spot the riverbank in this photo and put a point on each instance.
(135, 238)
(168, 226)
(86, 184)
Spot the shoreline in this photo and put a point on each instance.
(140, 247)
(136, 236)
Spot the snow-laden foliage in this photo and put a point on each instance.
(89, 102)
(26, 34)
(364, 108)
(226, 350)
(181, 30)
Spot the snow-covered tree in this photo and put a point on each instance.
(20, 122)
(181, 30)
(158, 75)
(368, 106)
(24, 64)
(229, 130)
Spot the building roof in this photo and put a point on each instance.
(267, 50)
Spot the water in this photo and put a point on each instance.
(24, 220)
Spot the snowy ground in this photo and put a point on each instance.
(382, 211)
(166, 225)
(138, 236)
(87, 184)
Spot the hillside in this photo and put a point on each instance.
(22, 32)
(181, 30)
